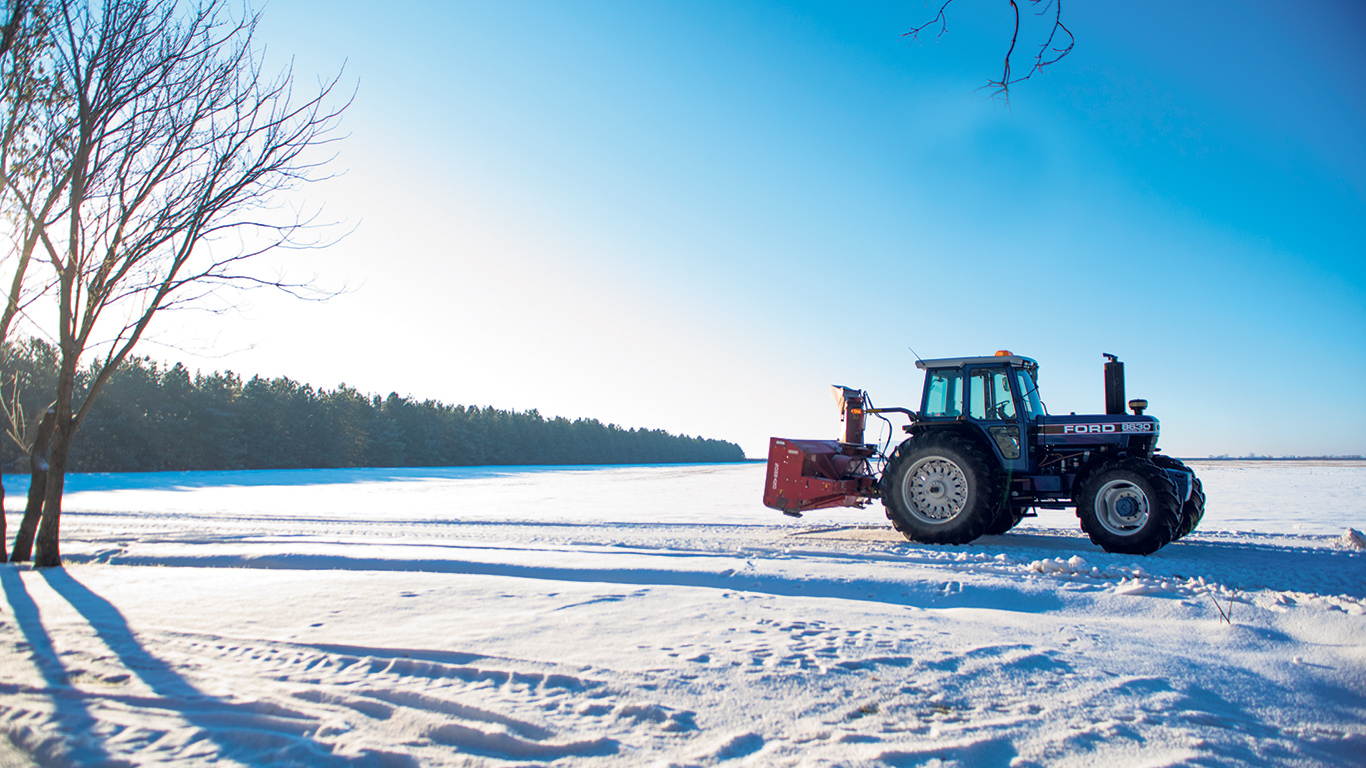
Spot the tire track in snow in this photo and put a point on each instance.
(502, 709)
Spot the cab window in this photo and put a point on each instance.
(1029, 393)
(944, 393)
(990, 395)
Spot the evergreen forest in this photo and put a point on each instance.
(153, 418)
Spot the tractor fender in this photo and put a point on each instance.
(966, 431)
(1097, 460)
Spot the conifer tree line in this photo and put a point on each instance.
(151, 417)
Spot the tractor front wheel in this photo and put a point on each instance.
(1129, 506)
(1194, 508)
(941, 489)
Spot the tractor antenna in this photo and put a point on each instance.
(917, 357)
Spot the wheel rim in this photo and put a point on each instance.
(935, 489)
(1121, 507)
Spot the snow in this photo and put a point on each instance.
(662, 616)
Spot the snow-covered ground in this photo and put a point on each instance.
(663, 616)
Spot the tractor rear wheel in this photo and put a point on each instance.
(1194, 508)
(941, 489)
(1129, 506)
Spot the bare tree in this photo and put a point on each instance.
(173, 150)
(1057, 44)
(23, 83)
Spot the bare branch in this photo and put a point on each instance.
(1057, 45)
(18, 9)
(939, 17)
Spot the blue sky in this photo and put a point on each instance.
(697, 216)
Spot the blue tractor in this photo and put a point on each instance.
(981, 454)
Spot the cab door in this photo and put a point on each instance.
(993, 404)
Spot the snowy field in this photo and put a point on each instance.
(662, 616)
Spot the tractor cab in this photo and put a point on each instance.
(998, 394)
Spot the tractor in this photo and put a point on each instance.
(982, 454)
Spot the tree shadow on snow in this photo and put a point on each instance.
(255, 733)
(83, 747)
(917, 593)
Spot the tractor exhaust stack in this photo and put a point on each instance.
(1114, 385)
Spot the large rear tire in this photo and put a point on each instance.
(941, 489)
(1194, 508)
(1129, 506)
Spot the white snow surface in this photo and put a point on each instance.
(623, 616)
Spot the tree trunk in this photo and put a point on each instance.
(46, 553)
(37, 488)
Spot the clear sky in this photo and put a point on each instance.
(697, 215)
